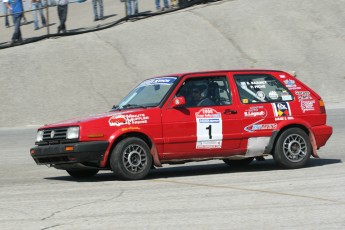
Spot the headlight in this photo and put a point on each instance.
(39, 136)
(72, 133)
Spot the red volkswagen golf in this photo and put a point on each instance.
(235, 116)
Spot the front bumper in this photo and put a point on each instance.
(89, 153)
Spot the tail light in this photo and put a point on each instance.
(322, 106)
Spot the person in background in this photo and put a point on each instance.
(95, 10)
(174, 3)
(5, 11)
(132, 5)
(158, 5)
(51, 3)
(62, 7)
(36, 5)
(23, 16)
(16, 8)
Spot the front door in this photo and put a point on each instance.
(207, 126)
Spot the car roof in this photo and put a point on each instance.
(180, 75)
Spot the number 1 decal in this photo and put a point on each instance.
(209, 129)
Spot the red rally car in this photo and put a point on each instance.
(235, 116)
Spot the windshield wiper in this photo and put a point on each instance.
(134, 106)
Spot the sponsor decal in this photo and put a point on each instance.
(291, 84)
(164, 81)
(306, 101)
(260, 112)
(282, 76)
(159, 81)
(260, 94)
(303, 95)
(128, 119)
(281, 109)
(273, 95)
(117, 120)
(245, 101)
(264, 126)
(130, 128)
(255, 111)
(256, 127)
(257, 84)
(209, 129)
(286, 96)
(283, 118)
(307, 105)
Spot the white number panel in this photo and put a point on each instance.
(209, 129)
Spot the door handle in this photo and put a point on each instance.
(230, 111)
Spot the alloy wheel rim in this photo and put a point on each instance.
(295, 148)
(134, 158)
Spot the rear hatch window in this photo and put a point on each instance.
(261, 88)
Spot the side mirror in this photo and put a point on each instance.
(178, 102)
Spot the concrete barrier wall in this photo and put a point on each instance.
(56, 79)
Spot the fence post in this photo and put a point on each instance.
(47, 22)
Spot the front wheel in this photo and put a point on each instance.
(131, 159)
(293, 149)
(82, 173)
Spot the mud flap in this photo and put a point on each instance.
(155, 157)
(313, 144)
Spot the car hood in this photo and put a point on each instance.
(91, 118)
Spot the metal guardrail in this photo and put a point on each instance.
(179, 4)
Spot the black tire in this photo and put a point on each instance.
(82, 173)
(293, 149)
(239, 163)
(131, 159)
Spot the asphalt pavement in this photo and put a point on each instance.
(200, 195)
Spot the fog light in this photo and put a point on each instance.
(69, 148)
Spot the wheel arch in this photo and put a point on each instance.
(123, 136)
(276, 134)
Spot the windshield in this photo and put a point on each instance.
(147, 94)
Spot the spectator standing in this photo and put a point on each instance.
(51, 3)
(62, 7)
(132, 5)
(16, 8)
(23, 16)
(158, 5)
(174, 3)
(95, 10)
(36, 5)
(5, 11)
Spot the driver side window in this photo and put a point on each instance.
(205, 91)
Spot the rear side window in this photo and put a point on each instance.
(260, 88)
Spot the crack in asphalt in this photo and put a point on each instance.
(251, 190)
(231, 40)
(123, 56)
(100, 94)
(53, 226)
(84, 204)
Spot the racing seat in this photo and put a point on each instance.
(214, 93)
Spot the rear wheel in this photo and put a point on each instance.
(131, 159)
(293, 149)
(238, 163)
(82, 173)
